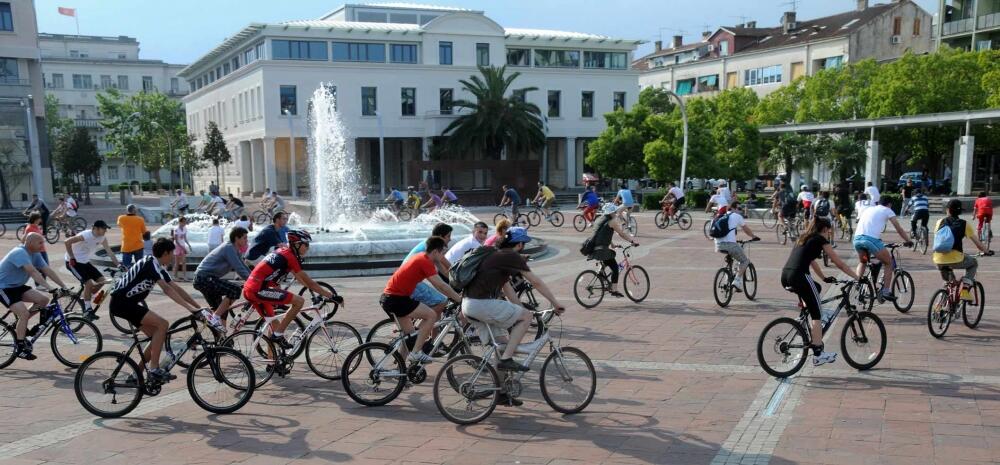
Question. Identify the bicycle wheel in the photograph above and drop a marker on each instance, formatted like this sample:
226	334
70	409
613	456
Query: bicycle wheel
661	220
221	380
470	392
636	284
589	289
865	295
633	226
295	330
404	215
384	331
902	286
259	217
7	352
534	218
572	383
498	217
72	346
109	384
782	231
972	312
750	282
78	225
863	340
51	234
579	223
782	347
769	219
684	220
261	353
522	221
557	219
923	240
373	384
327	347
721	288
939	314
181	331
706	228
308	294
19	233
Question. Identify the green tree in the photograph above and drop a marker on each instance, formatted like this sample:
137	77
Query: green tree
735	134
494	121
215	150
791	152
77	157
128	123
663	155
55	124
619	152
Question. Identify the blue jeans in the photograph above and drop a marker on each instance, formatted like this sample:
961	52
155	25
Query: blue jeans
128	258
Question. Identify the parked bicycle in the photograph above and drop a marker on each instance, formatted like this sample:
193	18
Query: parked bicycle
73	338
946	302
723	287
591	285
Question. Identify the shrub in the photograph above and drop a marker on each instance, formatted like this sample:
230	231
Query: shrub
897	200
651	200
697	199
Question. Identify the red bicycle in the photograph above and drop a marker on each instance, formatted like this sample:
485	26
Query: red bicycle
946	302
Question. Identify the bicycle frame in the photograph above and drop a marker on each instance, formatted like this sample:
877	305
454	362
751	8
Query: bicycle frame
57	317
448	323
493	351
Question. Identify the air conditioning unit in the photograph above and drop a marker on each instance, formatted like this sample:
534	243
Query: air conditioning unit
711	48
895	40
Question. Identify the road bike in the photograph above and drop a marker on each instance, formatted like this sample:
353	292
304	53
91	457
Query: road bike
111	384
680	217
72	339
946	302
535	215
784	344
506	213
262	216
902	282
468	387
723	287
921	239
591	285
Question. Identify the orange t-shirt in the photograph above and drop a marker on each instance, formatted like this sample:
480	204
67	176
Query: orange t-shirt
132	228
33	228
406	278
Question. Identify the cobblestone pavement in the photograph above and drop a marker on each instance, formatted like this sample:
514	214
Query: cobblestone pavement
678	382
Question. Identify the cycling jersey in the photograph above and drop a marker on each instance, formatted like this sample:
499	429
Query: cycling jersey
134	285
274	267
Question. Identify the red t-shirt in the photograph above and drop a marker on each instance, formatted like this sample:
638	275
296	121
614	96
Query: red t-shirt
984	205
406	278
274	267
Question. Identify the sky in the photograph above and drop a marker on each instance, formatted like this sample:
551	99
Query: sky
181	31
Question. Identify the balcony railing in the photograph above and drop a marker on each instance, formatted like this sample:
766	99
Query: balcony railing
13	81
958	27
990	20
87	122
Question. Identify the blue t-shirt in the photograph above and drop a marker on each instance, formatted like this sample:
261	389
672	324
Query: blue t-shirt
12	272
591	199
626	196
398	195
265	240
512	195
421	247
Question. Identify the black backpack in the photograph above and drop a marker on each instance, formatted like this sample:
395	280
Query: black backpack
590	243
720	227
788	199
822	207
464	270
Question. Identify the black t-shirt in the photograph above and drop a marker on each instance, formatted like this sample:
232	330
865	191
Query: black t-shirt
238	202
264	241
803	255
907	191
494	272
135	284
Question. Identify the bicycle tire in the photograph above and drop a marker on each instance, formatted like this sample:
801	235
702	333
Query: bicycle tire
923	240
636	284
978	303
579	223
522	221
588	279
499	217
661	220
302	292
684	221
557	219
750	282
259	217
384	331
7	352
902	287
861	334
346	335
705	228
231	375
782	232
939	314
20	232
132	375
534	218
866	295
721	285
404	215
190	324
466	393
261	353
88	338
769	219
51	234
78	225
632	226
785	346
382	353
552	361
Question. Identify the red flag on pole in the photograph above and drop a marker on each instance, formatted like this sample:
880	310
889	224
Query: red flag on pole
67	11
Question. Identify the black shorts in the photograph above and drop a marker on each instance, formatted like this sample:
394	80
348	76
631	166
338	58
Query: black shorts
84	272
12	295
215	289
128	310
806	288
182	209
788	212
399	305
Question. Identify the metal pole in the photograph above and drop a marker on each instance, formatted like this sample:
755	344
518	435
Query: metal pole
381	155
684	154
33	149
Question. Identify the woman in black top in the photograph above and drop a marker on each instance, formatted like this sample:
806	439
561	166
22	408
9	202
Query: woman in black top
795	277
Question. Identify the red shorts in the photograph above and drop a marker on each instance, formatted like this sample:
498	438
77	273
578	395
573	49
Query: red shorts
984	217
264	298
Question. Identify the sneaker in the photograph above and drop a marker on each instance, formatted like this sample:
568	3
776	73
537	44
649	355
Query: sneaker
213	321
90	314
887	295
510	365
280	341
161	375
738	284
504	399
25	353
420	357
824	358
33	330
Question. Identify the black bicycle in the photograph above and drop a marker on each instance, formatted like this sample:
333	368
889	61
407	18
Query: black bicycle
535	215
784	344
921	239
902	282
724	286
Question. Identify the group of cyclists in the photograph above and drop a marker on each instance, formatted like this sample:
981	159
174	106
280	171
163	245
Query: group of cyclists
412	201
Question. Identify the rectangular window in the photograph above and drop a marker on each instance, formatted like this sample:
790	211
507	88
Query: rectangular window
684	87
74	54
225	68
298	50
519	95
130	171
619	101
723	48
105	81
732	80
122	82
236	63
82	81
358	51
587	104
147	83
408	101
57	81
403	53
371	17
708	83
6	17
554	97
446	99
482	54
916	26
444	53
8	70
557	58
605	60
112	172
175	86
897	25
259	51
369	101
518	57
218	72
288	100
765	75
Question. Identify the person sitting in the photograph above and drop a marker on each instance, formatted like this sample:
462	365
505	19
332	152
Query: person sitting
448	197
545	198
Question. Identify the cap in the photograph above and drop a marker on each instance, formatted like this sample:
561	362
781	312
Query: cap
516	235
101	224
130	208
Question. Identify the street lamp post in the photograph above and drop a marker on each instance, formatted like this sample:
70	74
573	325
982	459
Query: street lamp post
684	154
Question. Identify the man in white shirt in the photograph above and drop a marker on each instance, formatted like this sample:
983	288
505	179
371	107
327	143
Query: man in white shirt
217	206
725	192
868	240
476	239
79	250
727	244
180	203
71	206
215	234
805	200
873	194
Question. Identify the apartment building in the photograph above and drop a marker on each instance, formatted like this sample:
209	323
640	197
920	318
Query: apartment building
970	24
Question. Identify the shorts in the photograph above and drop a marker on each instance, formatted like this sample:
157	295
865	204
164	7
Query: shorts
679	202
12	295
180	250
427	295
547	203
214	289
788	212
265	298
133	312
498	314
868	244
182	209
806	288
84	272
398	305
733	249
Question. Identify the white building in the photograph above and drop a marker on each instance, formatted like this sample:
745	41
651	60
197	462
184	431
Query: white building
399	66
77	68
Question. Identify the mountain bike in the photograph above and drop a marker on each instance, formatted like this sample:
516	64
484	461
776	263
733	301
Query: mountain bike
73	301
73	338
724	288
945	304
590	285
65	225
902	282
111	384
506	213
680	217
535	215
921	239
784	344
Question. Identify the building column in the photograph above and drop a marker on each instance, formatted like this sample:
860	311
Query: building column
270	171
246	167
963	174
257	164
571	176
872	174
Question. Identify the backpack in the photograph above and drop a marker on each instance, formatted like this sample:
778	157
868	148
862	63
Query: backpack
464	270
720	227
590	243
944	239
788	200
822	207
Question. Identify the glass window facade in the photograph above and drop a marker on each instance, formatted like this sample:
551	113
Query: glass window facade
369	101
605	60
8	70
358	51
106	82
408	101
482	54
444	53
298	50
519	95
289	100
554	101
518	57
446	100
403	53
557	58
587	104
6	17
765	75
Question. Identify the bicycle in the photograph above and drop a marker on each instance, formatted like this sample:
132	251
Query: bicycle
723	288
72	339
467	387
535	215
985	234
902	282
680	217
782	353
788	229
590	286
219	380
945	302
580	221
262	216
921	239
75	302
629	221
522	219
67	226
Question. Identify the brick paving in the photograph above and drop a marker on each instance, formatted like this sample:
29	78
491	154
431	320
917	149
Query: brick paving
678	382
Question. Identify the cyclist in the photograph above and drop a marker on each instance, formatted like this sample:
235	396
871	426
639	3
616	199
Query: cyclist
499	231
956	258
180	202
263	291
604	230
805	199
413	200
38	205
873	194
907	192
396	199
795	278
61	209
23	262
234	207
545	198
512	198
217	206
719	200
72	206
244	222
921	210
397	297
624	198
673	200
204	200
861	203
867	240
433	201
79	250
474	240
825	208
589	204
787	204
845	207
269	237
448	197
982	211
272	201
727	244
129	295
208	277
34	225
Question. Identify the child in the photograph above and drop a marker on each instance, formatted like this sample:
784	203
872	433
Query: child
35	226
215	234
147	244
183	247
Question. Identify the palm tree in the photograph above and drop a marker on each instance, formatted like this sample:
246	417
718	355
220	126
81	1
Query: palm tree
494	121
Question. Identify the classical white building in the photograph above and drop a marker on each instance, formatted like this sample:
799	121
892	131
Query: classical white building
76	68
395	69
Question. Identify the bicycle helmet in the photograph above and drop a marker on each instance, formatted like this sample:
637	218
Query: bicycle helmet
298	236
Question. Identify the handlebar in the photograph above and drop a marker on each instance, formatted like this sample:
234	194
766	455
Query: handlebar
755	239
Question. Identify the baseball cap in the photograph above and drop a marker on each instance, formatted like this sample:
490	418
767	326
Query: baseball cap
517	234
101	224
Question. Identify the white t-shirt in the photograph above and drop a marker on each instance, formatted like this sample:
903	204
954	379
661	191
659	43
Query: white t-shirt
860	206
245	224
735	223
806	195
873	194
678	193
84	249
872	221
71	205
456	251
215	234
219	203
719	200
182	200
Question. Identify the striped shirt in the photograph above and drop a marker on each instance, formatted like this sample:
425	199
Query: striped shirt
919	202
